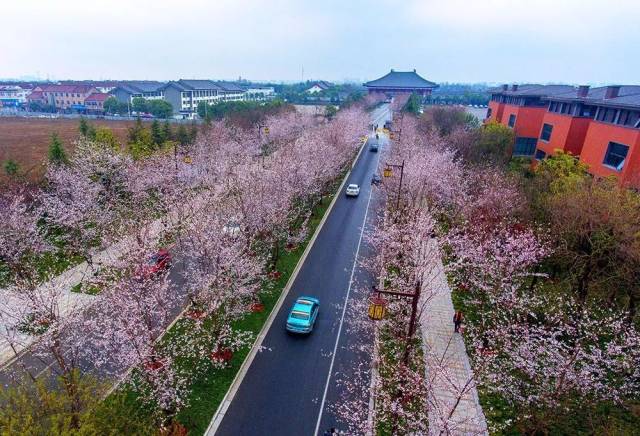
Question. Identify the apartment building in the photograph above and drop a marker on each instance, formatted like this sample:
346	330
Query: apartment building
522	108
185	95
126	91
62	97
231	92
600	126
94	104
13	96
259	93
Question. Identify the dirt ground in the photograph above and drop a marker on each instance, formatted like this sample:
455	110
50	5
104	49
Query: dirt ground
25	140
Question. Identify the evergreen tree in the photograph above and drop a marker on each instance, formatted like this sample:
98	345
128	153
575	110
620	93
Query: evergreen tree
84	127
135	131
157	133
166	131
182	136
57	155
11	167
193	133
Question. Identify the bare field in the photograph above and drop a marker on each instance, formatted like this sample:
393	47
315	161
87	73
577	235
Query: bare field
25	140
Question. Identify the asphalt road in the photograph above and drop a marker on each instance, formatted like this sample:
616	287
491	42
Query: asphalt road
288	387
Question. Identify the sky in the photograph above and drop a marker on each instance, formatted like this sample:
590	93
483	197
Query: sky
493	41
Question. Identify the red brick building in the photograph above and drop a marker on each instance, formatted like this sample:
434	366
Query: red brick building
94	104
63	97
522	107
600	126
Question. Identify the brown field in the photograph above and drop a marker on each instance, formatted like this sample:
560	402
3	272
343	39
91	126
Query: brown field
26	140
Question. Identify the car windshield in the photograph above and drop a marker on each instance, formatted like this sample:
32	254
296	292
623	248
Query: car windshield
305	302
353	186
299	315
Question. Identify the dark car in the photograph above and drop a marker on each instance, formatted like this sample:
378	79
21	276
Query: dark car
157	263
376	179
373	147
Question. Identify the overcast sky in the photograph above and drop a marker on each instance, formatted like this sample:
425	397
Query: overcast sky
561	41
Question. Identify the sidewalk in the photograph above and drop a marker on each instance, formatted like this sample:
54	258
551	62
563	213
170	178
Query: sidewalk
453	403
70	301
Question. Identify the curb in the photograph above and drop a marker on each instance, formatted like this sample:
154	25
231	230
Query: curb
244	368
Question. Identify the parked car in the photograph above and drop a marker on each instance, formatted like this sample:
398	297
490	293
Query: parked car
353	190
157	263
303	315
376	179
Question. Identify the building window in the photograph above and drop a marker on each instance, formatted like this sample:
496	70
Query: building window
540	154
615	156
512	120
525	146
488	110
546	132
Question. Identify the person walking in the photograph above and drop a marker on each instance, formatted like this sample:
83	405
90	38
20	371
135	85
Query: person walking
457	321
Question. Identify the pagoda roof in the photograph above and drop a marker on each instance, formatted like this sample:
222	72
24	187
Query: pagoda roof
401	79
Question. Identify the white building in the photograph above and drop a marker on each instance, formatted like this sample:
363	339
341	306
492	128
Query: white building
127	91
13	95
185	95
260	93
319	87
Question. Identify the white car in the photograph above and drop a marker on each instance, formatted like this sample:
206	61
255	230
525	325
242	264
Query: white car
353	190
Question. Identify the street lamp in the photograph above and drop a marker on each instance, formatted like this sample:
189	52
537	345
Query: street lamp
388	172
377	310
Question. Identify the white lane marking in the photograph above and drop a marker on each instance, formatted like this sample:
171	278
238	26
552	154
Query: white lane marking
344	310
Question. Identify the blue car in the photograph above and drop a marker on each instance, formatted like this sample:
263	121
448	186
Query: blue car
303	315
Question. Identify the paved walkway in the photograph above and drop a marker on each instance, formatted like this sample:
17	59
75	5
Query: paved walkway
68	301
453	400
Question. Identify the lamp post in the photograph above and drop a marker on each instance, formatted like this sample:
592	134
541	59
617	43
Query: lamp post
376	314
387	173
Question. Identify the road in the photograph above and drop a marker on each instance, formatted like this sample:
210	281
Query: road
288	387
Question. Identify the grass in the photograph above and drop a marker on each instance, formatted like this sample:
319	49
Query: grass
575	417
391	351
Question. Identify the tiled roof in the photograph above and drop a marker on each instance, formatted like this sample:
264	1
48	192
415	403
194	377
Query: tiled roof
141	86
322	84
98	96
35	95
628	95
230	87
401	79
82	89
192	85
534	90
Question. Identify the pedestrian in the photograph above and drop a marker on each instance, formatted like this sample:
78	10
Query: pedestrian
377	136
457	321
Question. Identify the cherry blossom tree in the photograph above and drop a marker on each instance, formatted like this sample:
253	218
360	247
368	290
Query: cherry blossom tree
20	234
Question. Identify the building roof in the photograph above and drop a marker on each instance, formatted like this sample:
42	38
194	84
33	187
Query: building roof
401	79
322	84
192	85
98	96
628	95
140	86
35	95
230	87
82	89
534	90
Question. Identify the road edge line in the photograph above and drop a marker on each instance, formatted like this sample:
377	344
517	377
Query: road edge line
244	368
